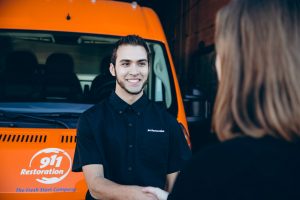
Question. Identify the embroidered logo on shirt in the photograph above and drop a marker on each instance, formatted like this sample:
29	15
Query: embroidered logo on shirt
155	131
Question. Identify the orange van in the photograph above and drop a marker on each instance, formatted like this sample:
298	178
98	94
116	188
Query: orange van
50	53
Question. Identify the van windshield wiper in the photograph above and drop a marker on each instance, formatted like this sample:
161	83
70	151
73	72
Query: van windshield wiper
13	115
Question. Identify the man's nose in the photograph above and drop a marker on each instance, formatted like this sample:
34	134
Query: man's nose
134	69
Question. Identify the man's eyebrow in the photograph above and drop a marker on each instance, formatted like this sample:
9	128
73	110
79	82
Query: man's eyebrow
128	60
143	60
125	60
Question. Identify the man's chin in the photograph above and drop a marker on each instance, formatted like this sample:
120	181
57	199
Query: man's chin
134	92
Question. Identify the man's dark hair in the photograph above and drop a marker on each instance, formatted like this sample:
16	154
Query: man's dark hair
134	40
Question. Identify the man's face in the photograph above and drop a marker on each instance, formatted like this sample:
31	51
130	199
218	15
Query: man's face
131	70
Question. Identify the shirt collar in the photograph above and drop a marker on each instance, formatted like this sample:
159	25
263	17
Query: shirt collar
121	106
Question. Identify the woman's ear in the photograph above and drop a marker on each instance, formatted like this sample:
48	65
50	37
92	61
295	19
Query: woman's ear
112	69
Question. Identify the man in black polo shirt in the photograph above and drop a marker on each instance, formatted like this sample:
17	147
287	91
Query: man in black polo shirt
127	142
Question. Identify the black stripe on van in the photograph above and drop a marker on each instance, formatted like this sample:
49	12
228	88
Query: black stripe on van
23	138
68	139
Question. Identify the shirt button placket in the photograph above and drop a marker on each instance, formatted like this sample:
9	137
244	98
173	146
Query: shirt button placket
130	146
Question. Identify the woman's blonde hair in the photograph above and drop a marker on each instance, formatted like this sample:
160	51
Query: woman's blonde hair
258	43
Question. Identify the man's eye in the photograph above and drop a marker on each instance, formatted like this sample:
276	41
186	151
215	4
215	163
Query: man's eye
125	64
142	64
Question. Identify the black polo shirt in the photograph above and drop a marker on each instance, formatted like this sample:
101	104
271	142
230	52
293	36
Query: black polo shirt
137	144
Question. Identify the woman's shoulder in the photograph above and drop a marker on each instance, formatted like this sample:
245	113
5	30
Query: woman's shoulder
243	144
244	151
236	163
226	148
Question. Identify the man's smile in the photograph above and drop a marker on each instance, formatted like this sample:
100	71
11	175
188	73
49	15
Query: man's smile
134	81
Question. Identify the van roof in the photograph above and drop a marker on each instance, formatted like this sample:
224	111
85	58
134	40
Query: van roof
84	16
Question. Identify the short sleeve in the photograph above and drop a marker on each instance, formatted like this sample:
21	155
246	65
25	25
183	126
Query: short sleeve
86	150
179	151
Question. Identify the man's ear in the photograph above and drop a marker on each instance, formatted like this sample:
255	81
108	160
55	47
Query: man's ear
112	69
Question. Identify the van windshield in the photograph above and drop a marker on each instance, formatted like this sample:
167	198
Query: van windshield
56	67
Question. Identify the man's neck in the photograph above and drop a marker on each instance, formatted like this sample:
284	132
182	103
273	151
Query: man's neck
129	98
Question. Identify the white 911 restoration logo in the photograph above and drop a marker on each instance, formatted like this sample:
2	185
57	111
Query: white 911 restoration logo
49	166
